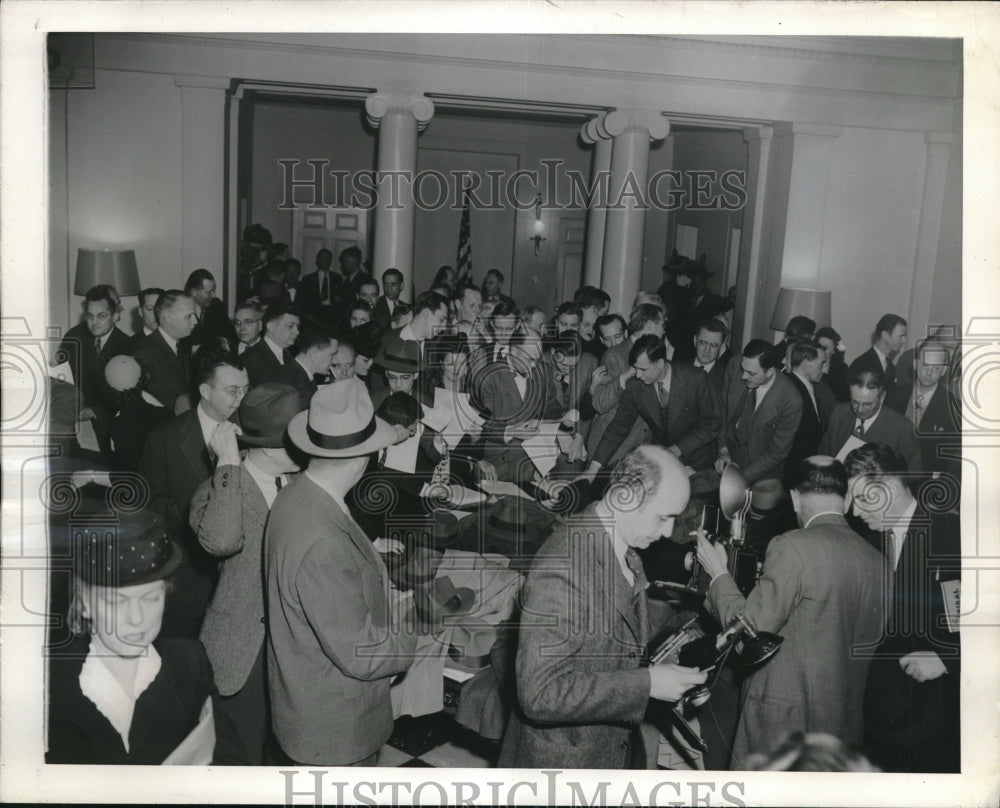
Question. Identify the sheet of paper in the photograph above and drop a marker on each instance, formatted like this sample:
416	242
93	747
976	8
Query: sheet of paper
462	417
63	372
86	436
502	488
403	456
852	443
543	452
437	418
951	591
198	747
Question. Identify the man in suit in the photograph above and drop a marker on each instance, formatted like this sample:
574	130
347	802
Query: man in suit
864	419
247	322
567	370
609	380
352	272
594	304
392	286
492	286
912	698
821	589
263	361
320	292
582	688
890	337
834	367
166	352
176	458
147	312
676	403
503	322
698	305
334	640
368	292
430	317
807	371
316	350
710	354
934	411
228	514
467	302
87	347
761	427
213	322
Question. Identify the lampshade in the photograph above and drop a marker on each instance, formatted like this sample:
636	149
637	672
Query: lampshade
114	267
812	303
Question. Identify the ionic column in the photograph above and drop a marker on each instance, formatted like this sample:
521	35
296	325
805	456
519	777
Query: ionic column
593	133
398	118
632	131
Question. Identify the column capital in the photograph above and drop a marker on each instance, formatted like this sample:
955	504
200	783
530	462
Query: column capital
619	121
378	104
593	130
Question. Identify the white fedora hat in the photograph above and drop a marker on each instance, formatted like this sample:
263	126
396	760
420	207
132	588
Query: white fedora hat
341	422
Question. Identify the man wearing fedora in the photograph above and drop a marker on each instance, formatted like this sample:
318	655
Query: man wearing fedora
333	645
399	360
176	459
228	514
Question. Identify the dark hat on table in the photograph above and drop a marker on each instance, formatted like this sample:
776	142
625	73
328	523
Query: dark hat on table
341	422
441	599
399	355
265	412
123	549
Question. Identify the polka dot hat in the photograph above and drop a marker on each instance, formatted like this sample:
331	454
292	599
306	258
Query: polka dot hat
123	549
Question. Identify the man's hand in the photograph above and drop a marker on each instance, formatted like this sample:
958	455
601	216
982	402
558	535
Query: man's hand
628	374
674	450
577	450
387	546
670	682
521	431
722	461
86	414
598	378
591	473
223	442
711	556
923	666
487	471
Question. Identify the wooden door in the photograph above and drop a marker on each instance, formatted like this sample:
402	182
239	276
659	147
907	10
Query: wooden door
334	229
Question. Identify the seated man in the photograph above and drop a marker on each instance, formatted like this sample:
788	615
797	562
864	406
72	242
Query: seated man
582	688
568	371
263	361
675	401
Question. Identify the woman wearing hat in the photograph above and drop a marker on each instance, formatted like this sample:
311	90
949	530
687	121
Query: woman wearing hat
116	695
228	514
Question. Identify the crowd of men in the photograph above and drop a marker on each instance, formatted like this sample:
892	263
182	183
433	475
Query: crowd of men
265	438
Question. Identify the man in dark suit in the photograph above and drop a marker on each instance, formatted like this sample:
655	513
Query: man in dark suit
166	352
890	337
821	589
936	414
675	401
806	359
175	460
87	347
761	428
213	321
582	689
710	354
912	698
699	305
264	360
320	292
147	312
352	273
492	285
315	355
864	419
392	286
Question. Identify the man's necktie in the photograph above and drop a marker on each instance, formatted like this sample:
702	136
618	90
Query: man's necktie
890	373
97	346
859	430
323	288
889	548
278	482
663	397
918	408
442	471
634	563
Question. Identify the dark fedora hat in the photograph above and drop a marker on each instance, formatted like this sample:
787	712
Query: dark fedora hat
399	355
122	549
265	412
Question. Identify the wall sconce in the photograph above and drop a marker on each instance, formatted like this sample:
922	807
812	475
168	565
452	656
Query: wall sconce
539	225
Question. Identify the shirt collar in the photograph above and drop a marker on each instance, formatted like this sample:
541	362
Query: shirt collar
762	390
816	516
273	347
168	339
406	333
867	422
108	694
664	383
883	358
265	481
206	422
707	367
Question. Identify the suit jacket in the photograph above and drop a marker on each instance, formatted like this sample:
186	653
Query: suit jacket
576	395
581	689
810	431
169	372
309	302
939	429
889	427
228	514
331	649
821	589
382	314
760	439
77	348
298	377
899	711
605	399
502	404
869	361
175	461
214	324
717	375
693	418
261	364
165	712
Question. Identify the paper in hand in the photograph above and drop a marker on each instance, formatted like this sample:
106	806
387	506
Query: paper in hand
198	748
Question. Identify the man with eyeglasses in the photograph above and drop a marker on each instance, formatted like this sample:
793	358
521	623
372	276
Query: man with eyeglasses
263	362
87	347
176	459
247	322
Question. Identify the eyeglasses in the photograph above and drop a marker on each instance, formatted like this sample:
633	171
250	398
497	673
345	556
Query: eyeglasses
244	323
101	316
234	390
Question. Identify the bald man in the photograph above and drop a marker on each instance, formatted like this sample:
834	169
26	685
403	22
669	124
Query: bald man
821	589
582	684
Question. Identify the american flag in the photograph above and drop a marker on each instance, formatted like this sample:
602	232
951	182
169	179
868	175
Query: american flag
464	263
